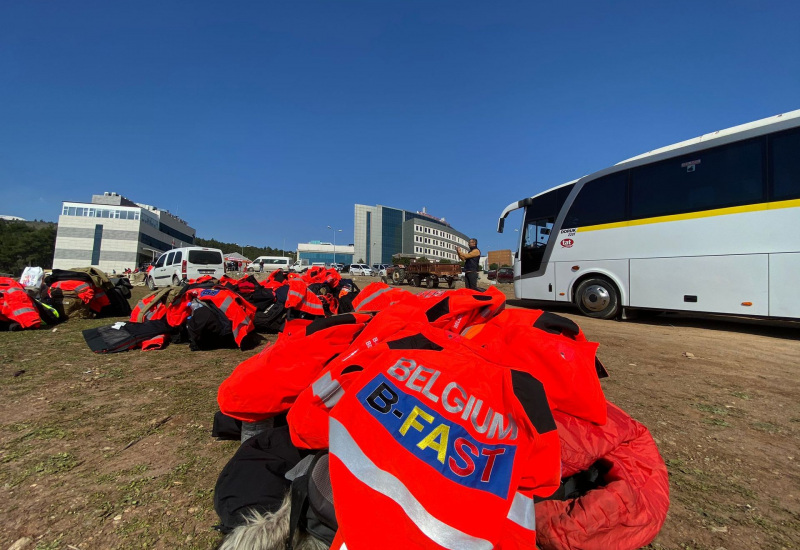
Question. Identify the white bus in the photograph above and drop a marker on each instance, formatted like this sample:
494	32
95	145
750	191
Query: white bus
711	224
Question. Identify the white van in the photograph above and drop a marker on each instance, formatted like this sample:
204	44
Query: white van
300	266
271	263
189	262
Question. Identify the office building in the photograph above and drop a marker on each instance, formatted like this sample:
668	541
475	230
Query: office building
381	232
114	233
327	253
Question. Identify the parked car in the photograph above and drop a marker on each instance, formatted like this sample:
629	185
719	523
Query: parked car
189	262
359	269
502	275
505	275
380	269
337	267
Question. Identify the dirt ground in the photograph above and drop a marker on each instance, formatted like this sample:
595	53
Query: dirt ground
115	451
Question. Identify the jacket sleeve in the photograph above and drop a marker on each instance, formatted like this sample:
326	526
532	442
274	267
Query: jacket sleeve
269	383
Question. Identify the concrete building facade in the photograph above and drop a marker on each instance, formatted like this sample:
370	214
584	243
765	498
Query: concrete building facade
114	233
380	232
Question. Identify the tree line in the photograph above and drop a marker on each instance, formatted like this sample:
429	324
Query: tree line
24	243
250	252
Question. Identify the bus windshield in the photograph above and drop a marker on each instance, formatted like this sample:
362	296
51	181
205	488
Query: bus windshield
540	217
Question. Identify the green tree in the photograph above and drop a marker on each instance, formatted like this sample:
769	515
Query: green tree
248	251
493	266
25	243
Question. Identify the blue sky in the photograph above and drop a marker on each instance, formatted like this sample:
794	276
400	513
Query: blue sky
264	122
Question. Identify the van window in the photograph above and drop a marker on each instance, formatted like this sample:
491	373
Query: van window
160	261
205	257
178	257
169	258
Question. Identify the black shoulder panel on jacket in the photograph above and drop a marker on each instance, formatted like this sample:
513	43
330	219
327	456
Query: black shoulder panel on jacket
556	324
530	393
327	322
417	341
439	309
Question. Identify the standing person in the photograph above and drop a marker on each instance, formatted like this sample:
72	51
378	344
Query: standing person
261	266
470	258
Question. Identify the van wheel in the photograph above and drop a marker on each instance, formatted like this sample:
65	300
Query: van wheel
175	281
150	283
598	298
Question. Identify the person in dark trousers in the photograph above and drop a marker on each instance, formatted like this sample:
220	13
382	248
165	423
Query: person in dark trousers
470	258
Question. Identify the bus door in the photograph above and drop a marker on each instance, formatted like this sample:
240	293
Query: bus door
534	242
536	280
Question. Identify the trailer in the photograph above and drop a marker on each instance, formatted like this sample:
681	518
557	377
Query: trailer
423	273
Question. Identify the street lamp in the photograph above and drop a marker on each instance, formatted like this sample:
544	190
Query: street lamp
334	241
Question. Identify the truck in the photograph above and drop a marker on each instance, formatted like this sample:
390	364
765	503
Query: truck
419	273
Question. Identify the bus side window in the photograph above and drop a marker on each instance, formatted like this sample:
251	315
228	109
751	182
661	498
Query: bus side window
785	164
724	176
603	200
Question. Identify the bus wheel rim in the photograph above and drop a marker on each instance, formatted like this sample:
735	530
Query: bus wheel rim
596	298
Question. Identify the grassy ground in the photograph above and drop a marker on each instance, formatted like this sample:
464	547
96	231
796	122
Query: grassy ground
115	451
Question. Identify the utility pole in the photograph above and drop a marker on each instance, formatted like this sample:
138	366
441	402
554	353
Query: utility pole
334	241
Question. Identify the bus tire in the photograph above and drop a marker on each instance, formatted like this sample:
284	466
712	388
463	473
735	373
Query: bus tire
598	298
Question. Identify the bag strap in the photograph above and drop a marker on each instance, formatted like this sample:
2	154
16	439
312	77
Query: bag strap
578	484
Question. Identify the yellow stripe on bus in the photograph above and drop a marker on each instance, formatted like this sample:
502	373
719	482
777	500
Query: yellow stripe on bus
696	215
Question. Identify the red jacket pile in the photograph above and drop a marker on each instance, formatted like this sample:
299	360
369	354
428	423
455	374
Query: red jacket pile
453	422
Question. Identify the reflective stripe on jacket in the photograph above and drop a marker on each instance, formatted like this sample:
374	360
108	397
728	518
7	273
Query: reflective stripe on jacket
16	305
302	299
268	383
89	294
428	427
238	310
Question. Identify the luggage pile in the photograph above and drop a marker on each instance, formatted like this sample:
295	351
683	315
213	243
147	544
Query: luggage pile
437	420
208	313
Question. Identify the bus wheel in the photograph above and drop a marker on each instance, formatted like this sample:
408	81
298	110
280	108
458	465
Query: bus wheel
597	298
151	284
